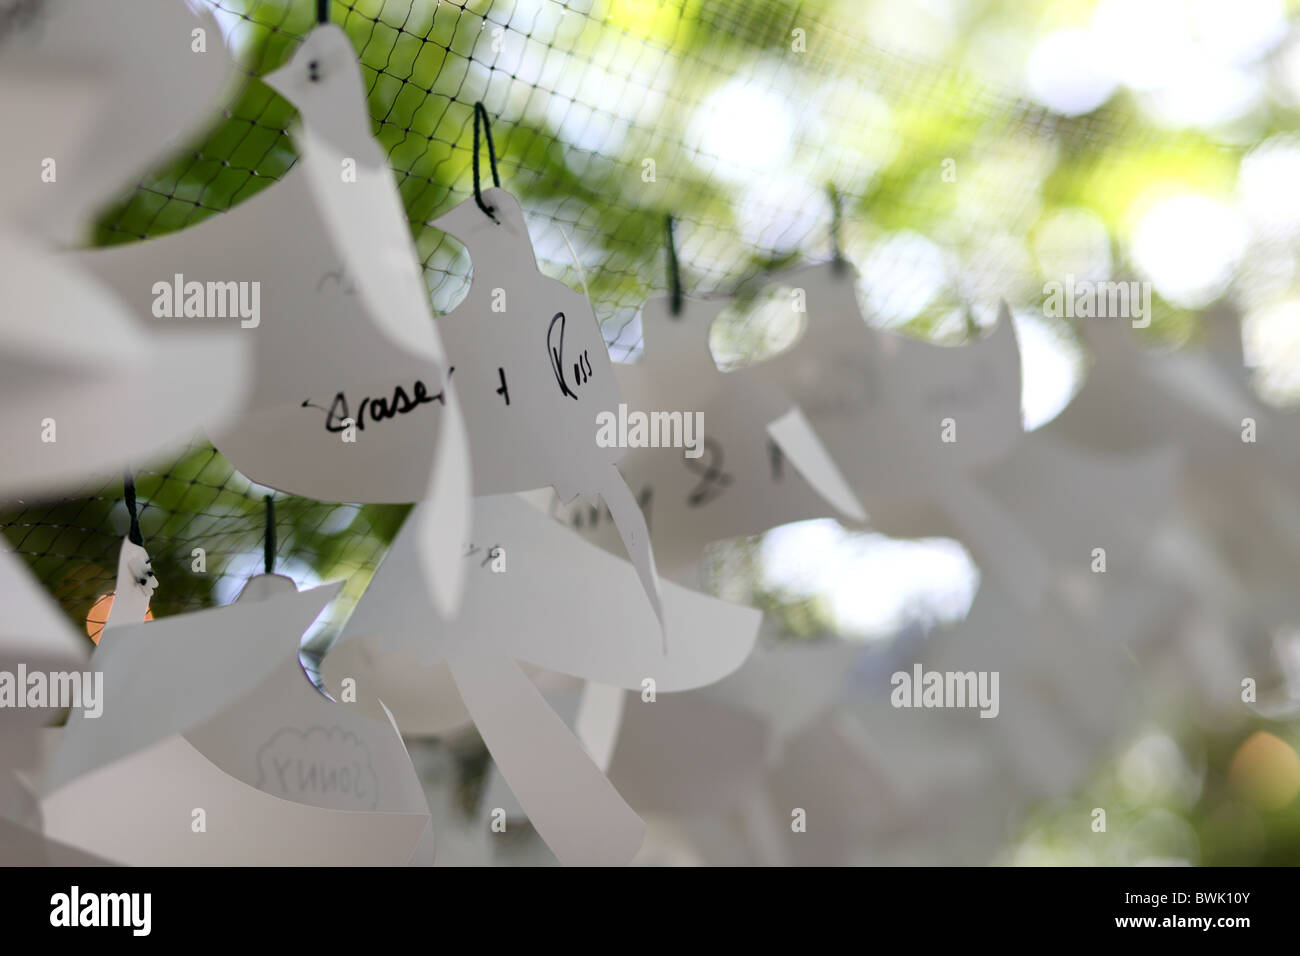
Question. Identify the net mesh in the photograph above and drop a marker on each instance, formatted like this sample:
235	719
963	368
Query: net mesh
607	117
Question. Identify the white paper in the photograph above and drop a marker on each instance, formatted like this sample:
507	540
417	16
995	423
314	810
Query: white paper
533	375
598	720
708	750
1073	501
85	391
350	398
46	112
136	584
288	739
756	463
33	630
561	604
594	712
365	218
152	91
1136	398
880	403
573	806
141	811
422	696
171	675
36	635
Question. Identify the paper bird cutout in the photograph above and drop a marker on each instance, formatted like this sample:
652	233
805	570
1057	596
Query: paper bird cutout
86	392
142	811
136	584
92	95
33	631
908	422
351	398
288	739
35	638
551	606
171	675
533	375
756	463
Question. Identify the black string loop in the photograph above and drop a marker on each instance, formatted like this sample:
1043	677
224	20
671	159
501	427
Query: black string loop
481	116
837	252
268	539
674	268
128	493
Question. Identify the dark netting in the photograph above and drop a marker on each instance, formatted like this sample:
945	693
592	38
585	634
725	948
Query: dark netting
581	97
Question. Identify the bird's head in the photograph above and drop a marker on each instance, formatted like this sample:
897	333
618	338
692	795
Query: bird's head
481	233
323	80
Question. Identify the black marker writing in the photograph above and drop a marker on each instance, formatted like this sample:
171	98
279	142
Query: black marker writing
340	278
337	416
594	512
712	477
555	348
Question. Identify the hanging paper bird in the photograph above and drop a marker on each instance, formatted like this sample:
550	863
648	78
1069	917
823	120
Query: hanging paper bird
731	455
92	95
351	398
534	374
554	606
909	422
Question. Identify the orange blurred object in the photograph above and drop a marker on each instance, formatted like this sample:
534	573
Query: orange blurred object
1266	771
97	616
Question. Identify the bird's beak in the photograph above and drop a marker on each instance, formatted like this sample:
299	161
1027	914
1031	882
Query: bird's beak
448	221
278	79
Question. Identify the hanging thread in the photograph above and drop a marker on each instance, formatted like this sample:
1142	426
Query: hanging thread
674	270
268	539
128	493
322	11
837	254
481	116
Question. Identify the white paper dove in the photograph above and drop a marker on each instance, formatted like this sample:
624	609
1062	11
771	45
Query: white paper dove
143	811
422	697
754	462
350	398
172	675
35	638
884	404
534	373
288	739
136	584
1137	398
562	604
707	749
1071	501
85	390
33	631
102	91
1066	689
1241	458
